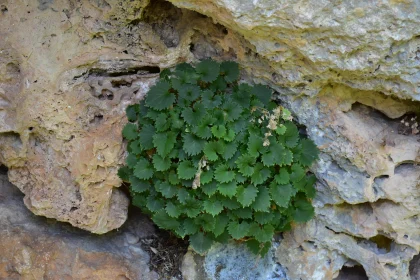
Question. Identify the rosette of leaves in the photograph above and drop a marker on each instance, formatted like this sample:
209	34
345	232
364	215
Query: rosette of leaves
214	159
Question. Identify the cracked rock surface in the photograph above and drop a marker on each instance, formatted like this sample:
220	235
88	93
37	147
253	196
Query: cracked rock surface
349	72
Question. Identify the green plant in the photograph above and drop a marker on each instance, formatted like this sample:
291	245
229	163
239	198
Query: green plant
214	159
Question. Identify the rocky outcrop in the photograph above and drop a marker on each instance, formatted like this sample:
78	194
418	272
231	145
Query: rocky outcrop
348	71
36	248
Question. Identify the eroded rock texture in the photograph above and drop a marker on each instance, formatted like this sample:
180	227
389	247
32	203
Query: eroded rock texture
36	248
348	70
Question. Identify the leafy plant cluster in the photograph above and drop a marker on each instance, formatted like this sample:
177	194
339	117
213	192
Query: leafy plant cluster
214	159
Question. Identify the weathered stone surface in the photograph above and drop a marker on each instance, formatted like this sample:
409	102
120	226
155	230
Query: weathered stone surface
348	71
36	248
231	261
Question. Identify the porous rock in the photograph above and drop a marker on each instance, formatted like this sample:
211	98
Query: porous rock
348	71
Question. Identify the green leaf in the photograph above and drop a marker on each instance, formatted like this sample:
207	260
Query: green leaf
308	152
138	186
227	189
159	97
230	135
143	169
208	69
131	160
246	195
167	190
254	246
186	170
255	145
200	242
165	74
162	122
230	70
213	206
210	100
130	131
135	147
139	200
192	207
263	217
164	142
297	173
163	220
272	155
146	136
243	213
230	203
210	188
232	110
291	136
262	234
242	95
124	173
161	164
218	85
283	177
189	92
192	144
304	210
206	221
223	174
173	178
260	175
218	131
183	196
211	149
281	194
190	226
131	112
230	150
262	202
173	210
206	177
221	223
154	204
281	129
246	164
238	230
194	116
263	93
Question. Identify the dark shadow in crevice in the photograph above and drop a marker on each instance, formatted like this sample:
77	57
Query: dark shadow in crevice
3	170
414	267
356	272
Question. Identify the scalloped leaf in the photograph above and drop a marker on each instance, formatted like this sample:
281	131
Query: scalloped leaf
186	170
212	206
238	230
200	242
223	174
281	194
163	220
263	93
161	164
230	71
164	142
192	144
130	131
208	70
159	97
246	195
146	136
308	152
143	169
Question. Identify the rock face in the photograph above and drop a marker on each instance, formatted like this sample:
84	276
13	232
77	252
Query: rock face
348	71
36	248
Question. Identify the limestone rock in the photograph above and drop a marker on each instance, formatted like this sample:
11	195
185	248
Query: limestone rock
348	71
36	248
